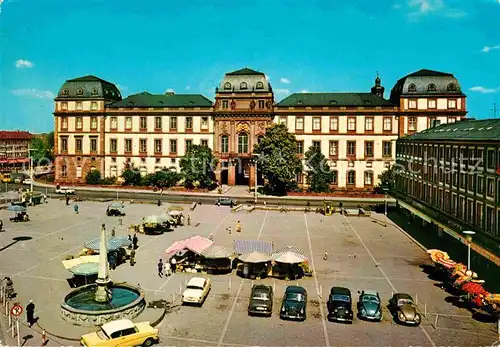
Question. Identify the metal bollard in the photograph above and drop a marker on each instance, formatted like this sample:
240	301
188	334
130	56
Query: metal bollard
173	298
229	284
416	299
425	309
274	286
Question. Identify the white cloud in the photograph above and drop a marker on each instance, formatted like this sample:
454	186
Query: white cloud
282	91
24	63
34	93
304	91
484	90
421	8
285	80
487	49
188	87
169	90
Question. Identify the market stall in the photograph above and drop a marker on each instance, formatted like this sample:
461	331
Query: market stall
287	263
216	259
186	254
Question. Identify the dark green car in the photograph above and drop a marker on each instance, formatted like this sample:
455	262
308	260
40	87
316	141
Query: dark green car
261	300
370	306
294	303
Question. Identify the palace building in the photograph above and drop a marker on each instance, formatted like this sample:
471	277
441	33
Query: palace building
95	128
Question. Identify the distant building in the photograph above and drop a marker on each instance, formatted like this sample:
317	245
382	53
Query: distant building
14	147
96	129
454	170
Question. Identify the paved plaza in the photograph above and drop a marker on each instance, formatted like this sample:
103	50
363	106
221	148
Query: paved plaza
363	254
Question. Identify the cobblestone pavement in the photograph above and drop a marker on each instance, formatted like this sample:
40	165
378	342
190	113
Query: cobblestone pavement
363	254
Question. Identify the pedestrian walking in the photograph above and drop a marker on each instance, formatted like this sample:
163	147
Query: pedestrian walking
168	269
325	256
9	288
229	229
160	268
135	241
67	200
211	237
1	225
30	313
173	262
113	232
132	258
189	219
76	208
238	227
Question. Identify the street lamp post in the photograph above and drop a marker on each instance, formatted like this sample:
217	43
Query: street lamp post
468	237
31	168
386	190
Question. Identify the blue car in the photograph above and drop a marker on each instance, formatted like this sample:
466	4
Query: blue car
370	306
294	303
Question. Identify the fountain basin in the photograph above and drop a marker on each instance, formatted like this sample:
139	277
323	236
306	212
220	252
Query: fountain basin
80	308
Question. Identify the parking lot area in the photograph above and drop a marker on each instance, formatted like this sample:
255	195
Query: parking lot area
362	254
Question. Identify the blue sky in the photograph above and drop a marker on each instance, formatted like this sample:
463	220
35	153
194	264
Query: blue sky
187	46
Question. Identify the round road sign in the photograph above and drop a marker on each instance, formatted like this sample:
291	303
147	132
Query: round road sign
16	310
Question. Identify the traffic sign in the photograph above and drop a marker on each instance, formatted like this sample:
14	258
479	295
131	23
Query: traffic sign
16	310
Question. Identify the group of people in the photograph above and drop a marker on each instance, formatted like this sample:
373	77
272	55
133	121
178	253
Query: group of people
239	229
167	268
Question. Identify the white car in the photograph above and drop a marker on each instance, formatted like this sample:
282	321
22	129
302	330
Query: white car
196	290
27	181
65	190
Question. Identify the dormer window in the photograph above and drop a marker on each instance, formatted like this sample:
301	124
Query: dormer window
259	85
227	86
65	92
160	102
131	103
451	87
412	88
368	102
94	91
190	102
431	87
333	102
243	85
79	92
299	102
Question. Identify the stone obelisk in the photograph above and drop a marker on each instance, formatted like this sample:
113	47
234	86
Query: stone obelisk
102	294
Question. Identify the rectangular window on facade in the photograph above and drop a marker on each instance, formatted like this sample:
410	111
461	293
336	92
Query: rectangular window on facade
113	145
351	148
204	143
64	171
93	123
300	147
243	143
78	144
143	145
64	106
479	214
334	123
368	178
412	104
79	123
128	145
471	186
351	124
224	144
114	123
189	123
452	119
480	184
158	146
64	123
64	144
93	106
143	123
491	160
387	126
173	123
490	187
431	103
283	120
452	104
128	123
262	104
225	104
351	177
299	123
188	145
387	148
334	148
316	123
204	123
79	106
369	124
316	144
93	144
158	123
412	123
490	218
369	149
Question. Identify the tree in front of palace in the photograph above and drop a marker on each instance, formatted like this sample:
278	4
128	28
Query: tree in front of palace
43	149
387	179
131	176
164	178
278	160
319	174
93	177
197	167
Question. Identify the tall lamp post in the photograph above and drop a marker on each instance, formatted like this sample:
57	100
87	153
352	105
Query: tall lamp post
31	168
386	190
468	237
255	160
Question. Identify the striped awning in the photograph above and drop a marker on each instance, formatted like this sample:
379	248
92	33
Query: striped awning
293	249
249	246
113	243
217	252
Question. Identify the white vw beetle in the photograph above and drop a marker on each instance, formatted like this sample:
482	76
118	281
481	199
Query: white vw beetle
196	290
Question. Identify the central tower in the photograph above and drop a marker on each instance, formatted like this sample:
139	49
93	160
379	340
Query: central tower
243	110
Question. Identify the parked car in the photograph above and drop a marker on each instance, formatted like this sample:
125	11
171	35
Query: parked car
18	180
122	333
261	300
64	190
27	181
294	303
369	306
404	310
196	291
225	202
340	305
